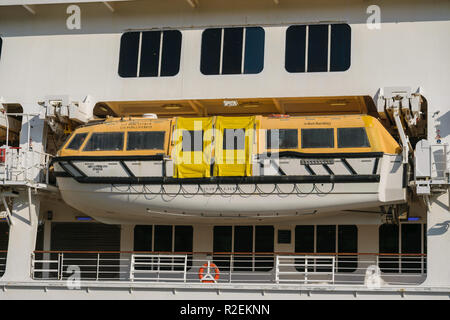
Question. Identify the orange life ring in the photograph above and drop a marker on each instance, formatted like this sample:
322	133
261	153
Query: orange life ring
212	266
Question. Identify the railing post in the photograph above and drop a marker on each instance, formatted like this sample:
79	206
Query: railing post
306	269
32	265
185	267
98	266
131	276
231	266
277	269
333	261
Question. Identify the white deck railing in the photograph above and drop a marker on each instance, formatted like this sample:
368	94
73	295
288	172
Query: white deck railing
258	268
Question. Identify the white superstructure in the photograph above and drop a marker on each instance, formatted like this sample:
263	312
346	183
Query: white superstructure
63	63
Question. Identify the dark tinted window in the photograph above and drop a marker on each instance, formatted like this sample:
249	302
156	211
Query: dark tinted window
317	138
143	236
105	141
295	49
388	237
254	50
234	139
340	47
222	242
326	239
304	239
171	53
318	48
77	141
192	140
211	50
264	242
282	139
317	52
304	243
1	45
163	238
231	49
183	238
352	138
150	45
160	53
145	140
347	243
411	240
128	58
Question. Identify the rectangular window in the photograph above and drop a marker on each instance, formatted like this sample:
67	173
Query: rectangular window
150	47
340	47
318	48
77	141
192	140
222	242
411	240
143	236
352	138
244	239
264	242
129	52
161	240
145	140
150	53
318	138
282	139
388	243
347	243
295	49
105	141
325	47
304	243
243	242
234	139
326	239
232	51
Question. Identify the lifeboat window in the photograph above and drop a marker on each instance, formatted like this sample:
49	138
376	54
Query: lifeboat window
150	54
240	52
145	140
352	138
282	139
318	138
192	140
105	141
77	141
318	48
234	139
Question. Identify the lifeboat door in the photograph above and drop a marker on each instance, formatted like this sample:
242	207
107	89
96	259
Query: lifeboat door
233	146
192	147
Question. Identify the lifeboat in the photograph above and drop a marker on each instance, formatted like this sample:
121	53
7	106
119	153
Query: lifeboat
251	167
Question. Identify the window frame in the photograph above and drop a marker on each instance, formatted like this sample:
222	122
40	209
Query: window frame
338	58
319	147
67	147
137	53
219	69
340	260
163	146
108	150
268	134
366	137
